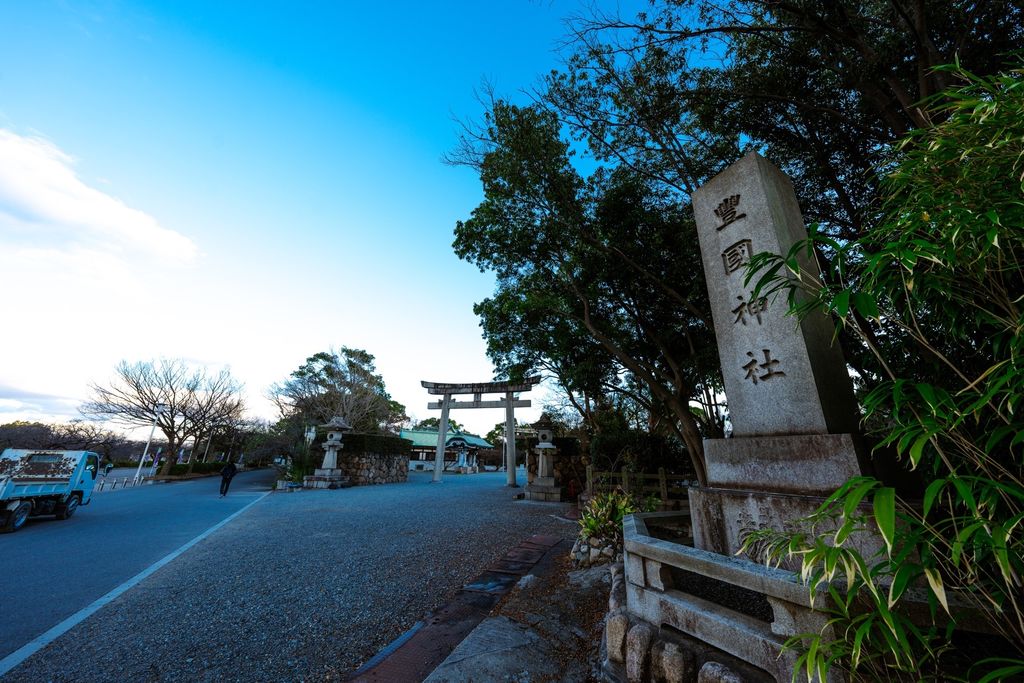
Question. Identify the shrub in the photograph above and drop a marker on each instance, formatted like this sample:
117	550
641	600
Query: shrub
603	514
934	292
381	444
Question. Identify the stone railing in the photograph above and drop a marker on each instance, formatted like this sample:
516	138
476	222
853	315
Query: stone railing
371	468
682	588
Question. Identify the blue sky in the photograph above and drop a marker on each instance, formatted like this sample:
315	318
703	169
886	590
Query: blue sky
245	184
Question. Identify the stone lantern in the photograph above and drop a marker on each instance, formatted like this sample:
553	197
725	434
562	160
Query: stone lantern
329	475
461	452
544	486
336	429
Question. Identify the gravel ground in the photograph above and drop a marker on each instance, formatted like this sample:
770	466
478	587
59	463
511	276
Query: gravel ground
302	587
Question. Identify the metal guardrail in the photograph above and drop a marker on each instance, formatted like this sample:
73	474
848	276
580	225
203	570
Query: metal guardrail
124	482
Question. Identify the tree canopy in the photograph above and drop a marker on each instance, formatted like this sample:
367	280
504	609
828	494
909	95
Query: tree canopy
183	402
74	435
341	382
599	280
434	423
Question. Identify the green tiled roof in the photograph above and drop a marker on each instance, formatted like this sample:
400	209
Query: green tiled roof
427	438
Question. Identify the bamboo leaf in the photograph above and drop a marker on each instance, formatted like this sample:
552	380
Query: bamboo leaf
930	493
885	514
935	582
1014	668
918	448
928	394
964	491
841	304
865	304
854	498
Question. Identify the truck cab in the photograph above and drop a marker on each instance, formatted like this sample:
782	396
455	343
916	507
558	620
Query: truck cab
44	482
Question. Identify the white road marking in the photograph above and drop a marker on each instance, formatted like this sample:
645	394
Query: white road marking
24	652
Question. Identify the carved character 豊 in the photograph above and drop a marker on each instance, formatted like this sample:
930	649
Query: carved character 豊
726	211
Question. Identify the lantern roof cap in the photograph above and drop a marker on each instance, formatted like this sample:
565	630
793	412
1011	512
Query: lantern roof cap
337	423
544	423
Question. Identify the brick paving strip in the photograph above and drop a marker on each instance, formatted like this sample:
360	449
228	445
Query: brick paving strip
417	652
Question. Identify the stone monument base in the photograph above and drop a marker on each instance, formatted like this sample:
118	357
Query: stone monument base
804	464
760	482
722	517
329	478
544	489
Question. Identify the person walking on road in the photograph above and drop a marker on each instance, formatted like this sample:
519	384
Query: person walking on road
226	475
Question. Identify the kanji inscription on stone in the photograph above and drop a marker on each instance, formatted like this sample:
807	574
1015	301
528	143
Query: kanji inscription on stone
737	256
768	366
750	309
782	375
726	211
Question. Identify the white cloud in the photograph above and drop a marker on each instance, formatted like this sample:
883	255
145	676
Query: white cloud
80	271
44	203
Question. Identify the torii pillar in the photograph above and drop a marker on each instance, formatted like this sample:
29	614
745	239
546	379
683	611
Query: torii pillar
509	403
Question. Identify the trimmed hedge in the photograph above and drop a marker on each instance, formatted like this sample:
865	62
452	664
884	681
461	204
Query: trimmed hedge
197	468
207	467
380	444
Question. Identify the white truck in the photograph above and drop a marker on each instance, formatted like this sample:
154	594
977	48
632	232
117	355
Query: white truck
42	482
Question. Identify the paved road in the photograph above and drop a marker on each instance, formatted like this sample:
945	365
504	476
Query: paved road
54	568
302	586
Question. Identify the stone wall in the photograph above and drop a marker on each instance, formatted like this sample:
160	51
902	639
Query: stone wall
371	468
570	465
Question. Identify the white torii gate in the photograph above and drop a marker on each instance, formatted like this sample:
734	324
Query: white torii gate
508	403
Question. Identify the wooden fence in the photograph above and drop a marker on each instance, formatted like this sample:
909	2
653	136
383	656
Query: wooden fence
665	486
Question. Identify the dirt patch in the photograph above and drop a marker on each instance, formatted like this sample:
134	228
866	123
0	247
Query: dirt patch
567	608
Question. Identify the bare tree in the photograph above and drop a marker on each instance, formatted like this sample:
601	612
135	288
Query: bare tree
193	402
75	435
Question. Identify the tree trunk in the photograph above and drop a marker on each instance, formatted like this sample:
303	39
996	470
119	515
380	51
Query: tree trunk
172	456
691	438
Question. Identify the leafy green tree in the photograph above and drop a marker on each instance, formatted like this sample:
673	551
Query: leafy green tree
340	382
824	89
944	274
434	424
599	265
497	435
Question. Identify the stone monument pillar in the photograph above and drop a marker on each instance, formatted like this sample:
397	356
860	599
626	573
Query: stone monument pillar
544	486
329	475
789	394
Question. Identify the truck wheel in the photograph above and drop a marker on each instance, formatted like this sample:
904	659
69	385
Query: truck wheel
67	509
16	517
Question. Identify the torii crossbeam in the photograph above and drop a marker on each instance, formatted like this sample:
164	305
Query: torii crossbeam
509	403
